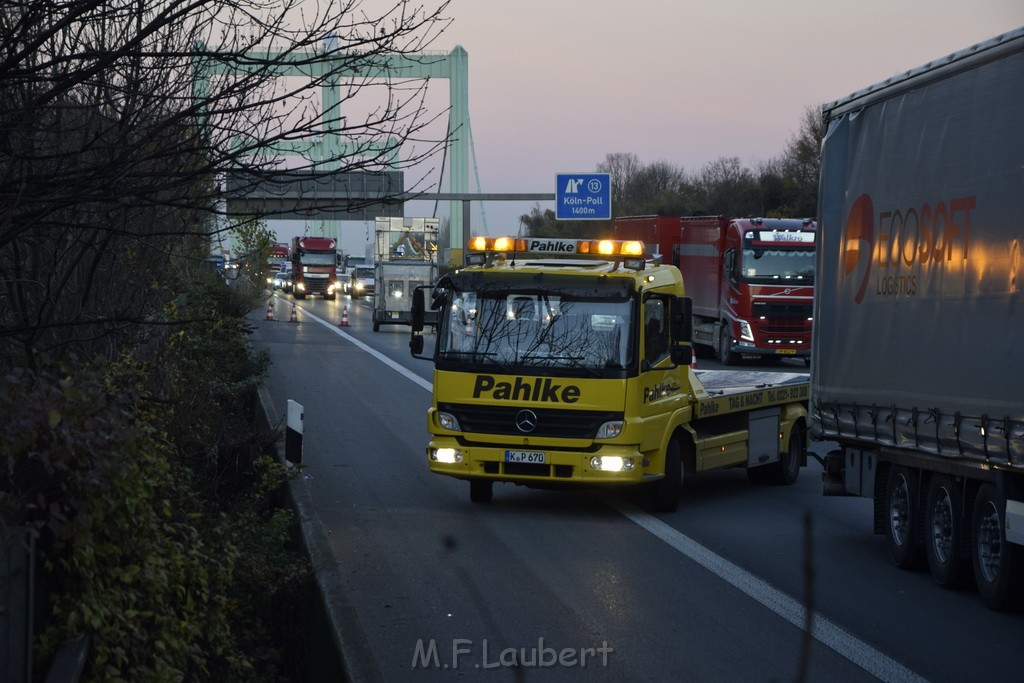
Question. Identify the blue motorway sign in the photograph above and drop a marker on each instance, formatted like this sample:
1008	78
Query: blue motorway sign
583	196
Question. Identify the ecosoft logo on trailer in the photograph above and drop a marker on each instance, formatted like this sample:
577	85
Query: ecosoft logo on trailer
904	244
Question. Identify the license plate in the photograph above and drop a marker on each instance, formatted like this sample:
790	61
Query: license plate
786	352
532	457
394	315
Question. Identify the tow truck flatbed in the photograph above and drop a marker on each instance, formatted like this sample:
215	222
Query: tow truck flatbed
719	392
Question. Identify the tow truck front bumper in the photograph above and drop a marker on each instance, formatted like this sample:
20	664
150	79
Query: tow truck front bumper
608	465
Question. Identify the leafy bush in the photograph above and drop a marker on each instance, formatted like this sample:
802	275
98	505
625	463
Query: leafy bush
153	500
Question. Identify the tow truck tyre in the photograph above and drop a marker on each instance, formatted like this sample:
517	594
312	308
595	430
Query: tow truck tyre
725	352
666	491
944	526
997	564
481	490
902	519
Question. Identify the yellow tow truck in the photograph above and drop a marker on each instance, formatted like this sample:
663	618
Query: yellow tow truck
563	362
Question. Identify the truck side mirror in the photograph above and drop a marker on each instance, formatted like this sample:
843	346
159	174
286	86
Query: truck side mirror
682	354
682	320
416	344
417	312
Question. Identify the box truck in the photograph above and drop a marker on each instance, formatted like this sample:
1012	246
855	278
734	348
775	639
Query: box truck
751	280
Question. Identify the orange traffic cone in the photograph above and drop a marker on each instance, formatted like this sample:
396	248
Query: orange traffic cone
295	317
344	317
270	311
468	330
693	357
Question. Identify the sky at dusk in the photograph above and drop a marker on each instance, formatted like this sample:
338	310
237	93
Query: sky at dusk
556	85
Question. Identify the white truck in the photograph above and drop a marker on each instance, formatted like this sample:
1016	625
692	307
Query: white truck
405	257
918	348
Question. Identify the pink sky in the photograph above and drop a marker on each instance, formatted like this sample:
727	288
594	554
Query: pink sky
555	85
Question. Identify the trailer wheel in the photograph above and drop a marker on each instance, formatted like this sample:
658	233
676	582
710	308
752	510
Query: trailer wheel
725	352
787	469
997	564
666	491
376	326
481	490
903	524
944	532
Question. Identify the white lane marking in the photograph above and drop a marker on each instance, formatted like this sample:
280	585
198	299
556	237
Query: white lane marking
373	352
823	630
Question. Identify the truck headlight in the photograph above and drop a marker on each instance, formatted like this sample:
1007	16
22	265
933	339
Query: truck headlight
448	456
745	331
611	463
610	430
448	421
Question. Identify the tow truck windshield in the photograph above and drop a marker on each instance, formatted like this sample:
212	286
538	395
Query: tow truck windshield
531	329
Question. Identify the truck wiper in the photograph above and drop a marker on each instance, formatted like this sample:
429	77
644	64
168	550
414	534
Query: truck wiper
544	356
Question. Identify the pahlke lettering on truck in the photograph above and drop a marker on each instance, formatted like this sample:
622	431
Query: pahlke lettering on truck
542	389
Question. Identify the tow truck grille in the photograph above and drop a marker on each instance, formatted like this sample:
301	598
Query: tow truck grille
520	469
551	422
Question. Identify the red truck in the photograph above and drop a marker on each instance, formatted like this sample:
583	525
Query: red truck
314	260
751	279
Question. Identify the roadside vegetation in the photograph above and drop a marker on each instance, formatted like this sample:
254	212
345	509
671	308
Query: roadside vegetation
130	451
156	504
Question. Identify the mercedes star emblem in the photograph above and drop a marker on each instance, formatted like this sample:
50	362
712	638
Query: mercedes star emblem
526	421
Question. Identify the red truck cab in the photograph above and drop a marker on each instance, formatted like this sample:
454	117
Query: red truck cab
314	260
751	279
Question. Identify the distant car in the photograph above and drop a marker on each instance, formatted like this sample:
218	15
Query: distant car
360	281
279	280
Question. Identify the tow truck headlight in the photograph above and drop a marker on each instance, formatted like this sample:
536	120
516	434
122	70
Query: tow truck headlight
611	463
610	430
745	331
448	456
448	421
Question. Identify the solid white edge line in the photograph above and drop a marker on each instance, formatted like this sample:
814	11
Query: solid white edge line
823	630
373	352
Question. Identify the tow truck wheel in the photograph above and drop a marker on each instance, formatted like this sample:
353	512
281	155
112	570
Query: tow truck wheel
725	352
944	532
481	490
666	491
901	532
998	565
